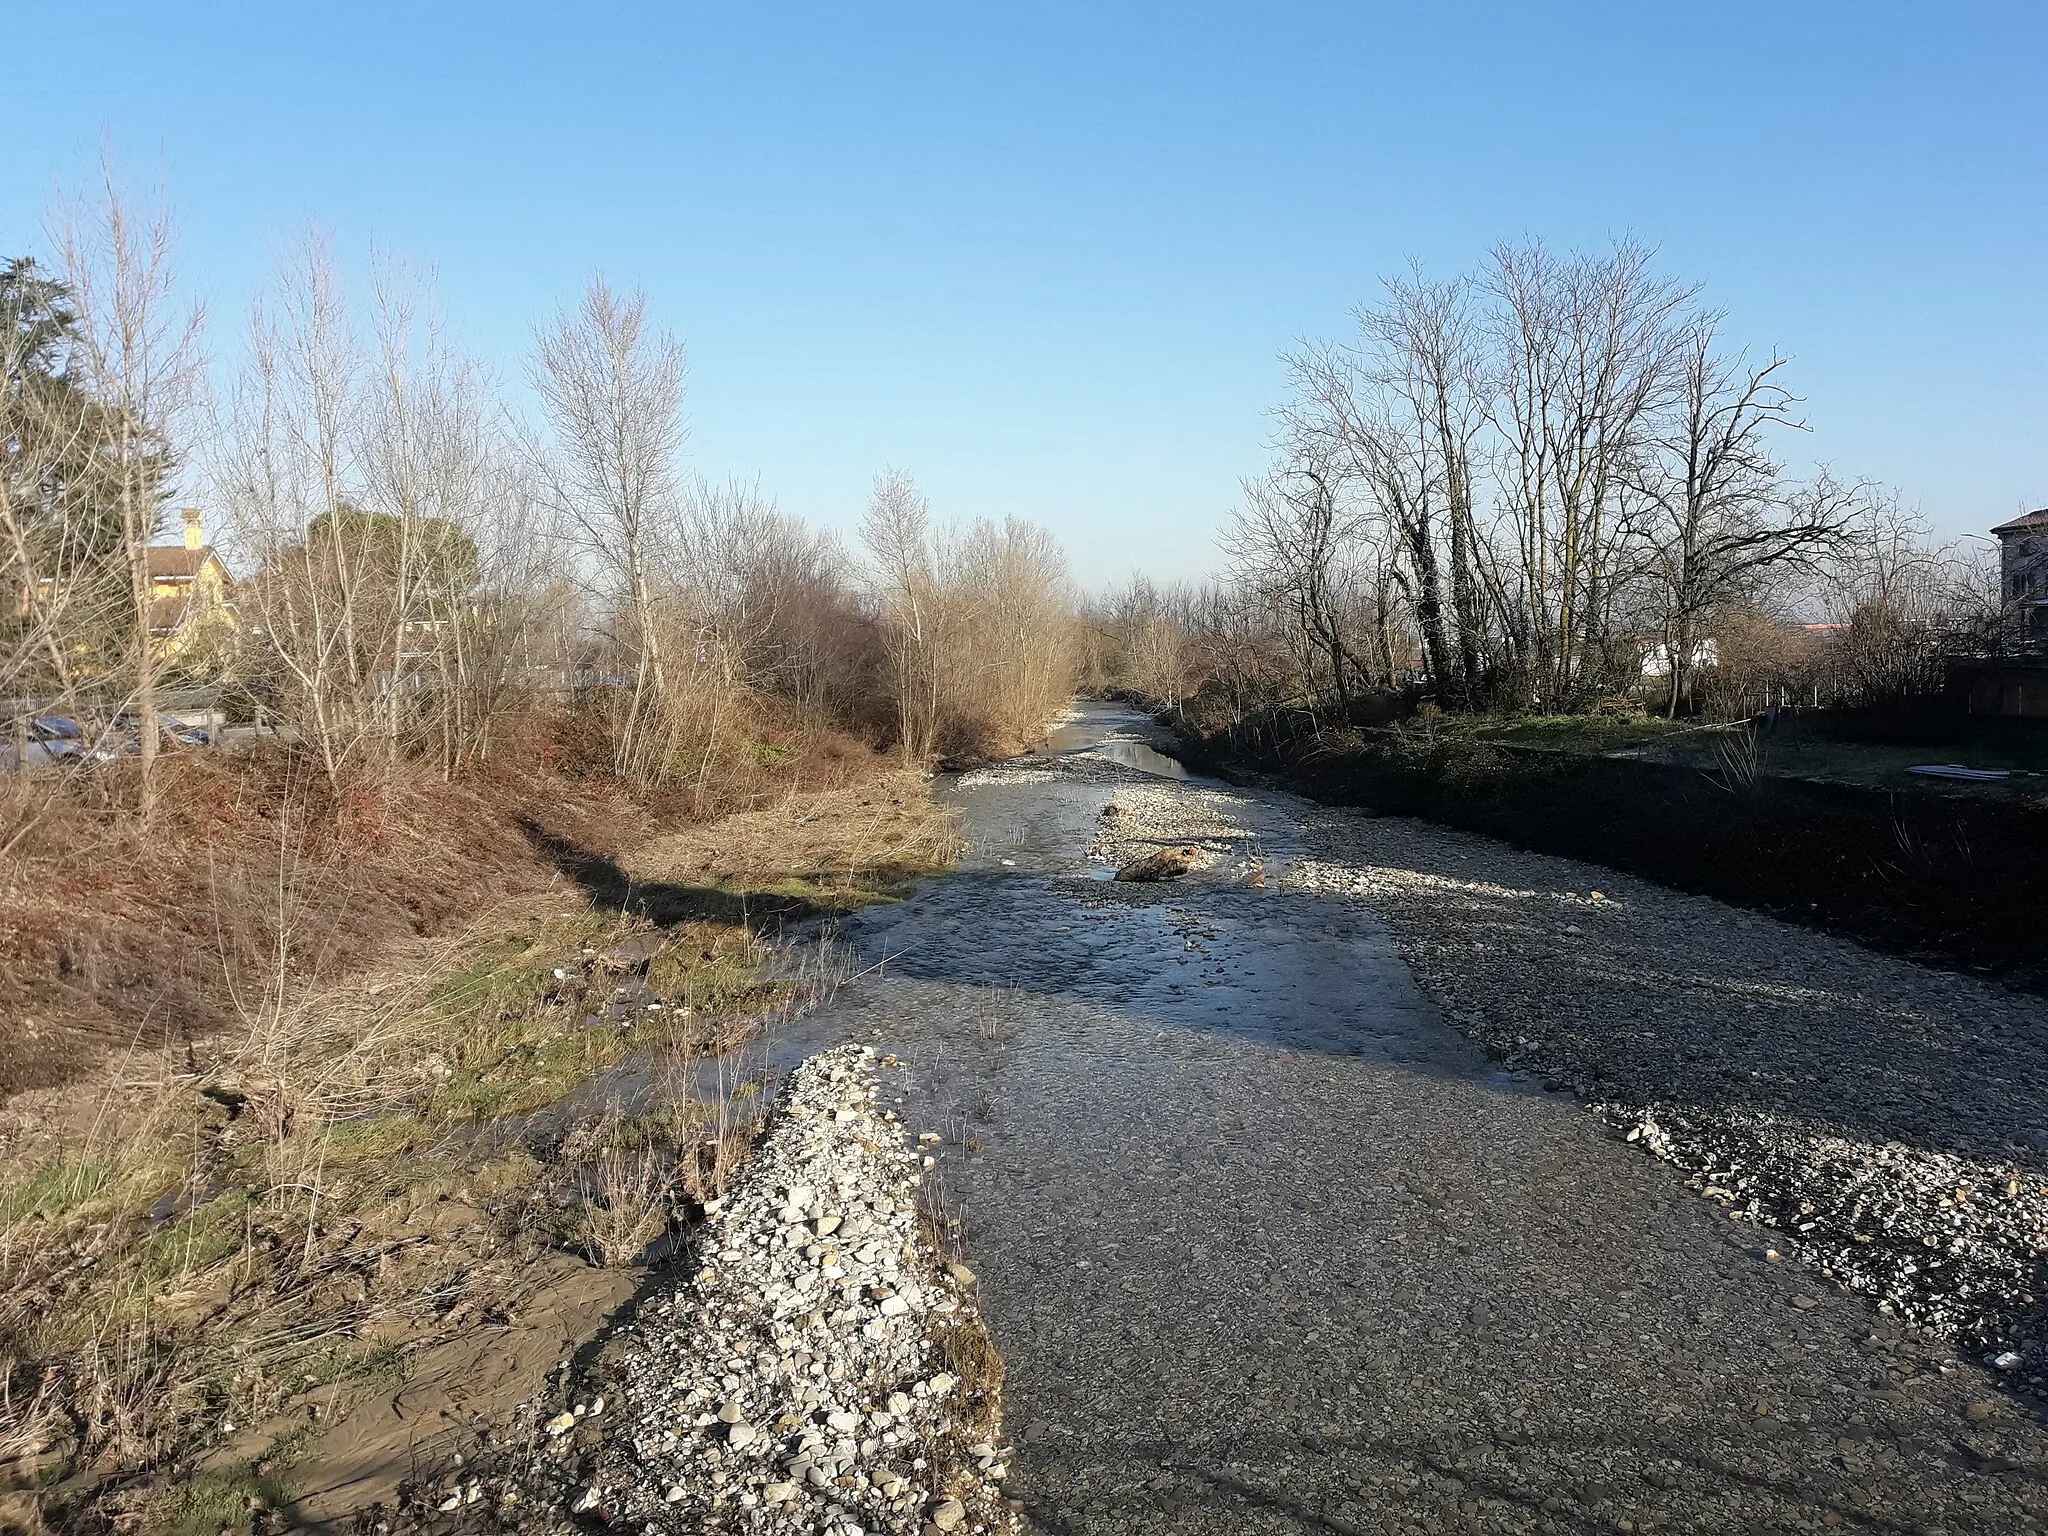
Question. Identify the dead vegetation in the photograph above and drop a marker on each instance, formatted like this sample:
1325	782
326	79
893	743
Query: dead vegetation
408	959
243	1233
1165	864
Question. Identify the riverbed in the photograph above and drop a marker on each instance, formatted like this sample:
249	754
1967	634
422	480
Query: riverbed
1270	1245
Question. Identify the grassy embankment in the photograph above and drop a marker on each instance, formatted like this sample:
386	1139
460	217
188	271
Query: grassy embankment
250	1266
1816	820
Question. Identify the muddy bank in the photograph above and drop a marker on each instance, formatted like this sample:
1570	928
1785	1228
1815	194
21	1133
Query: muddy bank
1950	879
254	1283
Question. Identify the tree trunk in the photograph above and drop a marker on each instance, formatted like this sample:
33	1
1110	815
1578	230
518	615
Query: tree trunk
138	533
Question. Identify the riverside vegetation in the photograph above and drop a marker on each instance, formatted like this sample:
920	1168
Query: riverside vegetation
361	1060
367	1062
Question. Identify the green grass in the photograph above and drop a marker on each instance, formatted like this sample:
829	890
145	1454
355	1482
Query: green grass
831	893
205	1237
527	1066
210	1502
54	1191
1592	734
375	1137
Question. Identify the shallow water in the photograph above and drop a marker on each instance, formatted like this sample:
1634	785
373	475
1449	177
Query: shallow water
1117	734
1135	754
1267	1245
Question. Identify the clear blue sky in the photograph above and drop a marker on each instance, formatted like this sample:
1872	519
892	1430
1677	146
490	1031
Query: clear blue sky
1043	256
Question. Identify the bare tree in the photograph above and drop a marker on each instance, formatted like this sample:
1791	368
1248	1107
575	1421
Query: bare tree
1354	434
896	531
1901	603
1428	353
1153	634
613	392
1009	657
1297	542
287	447
1715	516
433	461
1401	411
977	621
1584	351
138	354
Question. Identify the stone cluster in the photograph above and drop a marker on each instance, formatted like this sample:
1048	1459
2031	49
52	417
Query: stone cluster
808	1377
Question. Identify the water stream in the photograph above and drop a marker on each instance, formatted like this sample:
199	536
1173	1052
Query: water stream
1266	1245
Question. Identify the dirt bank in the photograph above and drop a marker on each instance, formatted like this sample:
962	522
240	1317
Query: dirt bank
252	1277
257	875
1952	879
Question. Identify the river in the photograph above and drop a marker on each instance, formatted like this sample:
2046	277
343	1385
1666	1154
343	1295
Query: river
1269	1246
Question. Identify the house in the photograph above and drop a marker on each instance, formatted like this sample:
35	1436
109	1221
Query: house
1704	653
2023	577
189	586
2013	685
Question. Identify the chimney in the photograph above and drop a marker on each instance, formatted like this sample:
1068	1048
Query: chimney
195	530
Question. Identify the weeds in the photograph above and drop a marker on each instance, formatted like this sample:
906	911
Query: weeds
624	1189
336	1180
53	1192
1740	761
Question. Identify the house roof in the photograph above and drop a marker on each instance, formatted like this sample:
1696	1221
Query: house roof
2031	520
174	562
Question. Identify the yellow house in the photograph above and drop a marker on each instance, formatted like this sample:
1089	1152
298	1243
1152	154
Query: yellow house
188	591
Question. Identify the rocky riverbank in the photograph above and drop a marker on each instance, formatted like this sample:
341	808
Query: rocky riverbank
1874	1119
822	1371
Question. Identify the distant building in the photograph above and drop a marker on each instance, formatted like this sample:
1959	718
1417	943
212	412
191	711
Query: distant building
190	603
189	588
1705	653
2023	577
2013	685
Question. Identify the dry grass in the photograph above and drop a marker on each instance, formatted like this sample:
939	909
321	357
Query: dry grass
859	836
625	1190
207	1232
965	1348
119	933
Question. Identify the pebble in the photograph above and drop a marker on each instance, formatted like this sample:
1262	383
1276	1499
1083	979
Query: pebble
1743	1052
810	1313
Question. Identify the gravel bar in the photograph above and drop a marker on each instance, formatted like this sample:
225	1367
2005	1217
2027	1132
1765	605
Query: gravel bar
1280	1232
823	1371
1879	1121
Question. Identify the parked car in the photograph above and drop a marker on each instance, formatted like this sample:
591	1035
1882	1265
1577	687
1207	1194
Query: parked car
44	741
50	739
125	740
